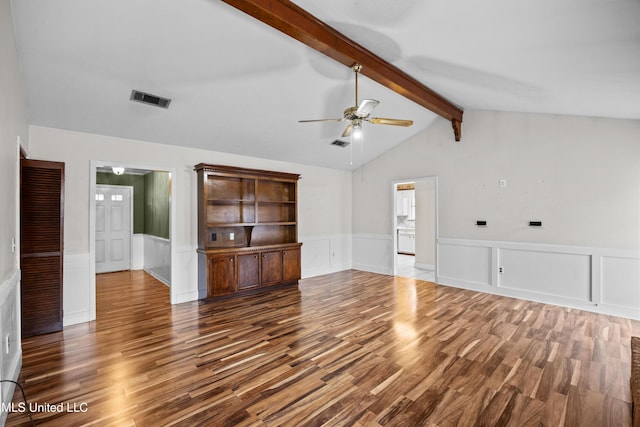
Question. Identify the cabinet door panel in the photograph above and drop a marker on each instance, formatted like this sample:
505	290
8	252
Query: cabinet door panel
291	265
223	275
248	271
271	267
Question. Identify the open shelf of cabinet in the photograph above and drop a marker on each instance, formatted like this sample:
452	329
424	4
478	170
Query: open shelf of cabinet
247	229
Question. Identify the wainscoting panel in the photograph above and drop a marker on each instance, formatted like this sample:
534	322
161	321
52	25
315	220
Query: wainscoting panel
595	279
137	251
157	258
465	263
76	295
10	345
325	254
621	283
373	252
549	273
184	284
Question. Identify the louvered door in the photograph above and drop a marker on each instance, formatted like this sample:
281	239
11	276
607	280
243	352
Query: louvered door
41	245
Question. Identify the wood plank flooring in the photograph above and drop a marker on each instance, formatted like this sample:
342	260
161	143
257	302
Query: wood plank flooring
349	349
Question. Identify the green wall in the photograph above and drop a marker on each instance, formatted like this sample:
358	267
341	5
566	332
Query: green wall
156	204
151	197
135	181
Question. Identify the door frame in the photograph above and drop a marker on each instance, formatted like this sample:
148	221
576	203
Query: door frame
130	190
92	225
394	219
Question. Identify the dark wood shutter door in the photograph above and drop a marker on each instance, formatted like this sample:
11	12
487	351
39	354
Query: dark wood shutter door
41	245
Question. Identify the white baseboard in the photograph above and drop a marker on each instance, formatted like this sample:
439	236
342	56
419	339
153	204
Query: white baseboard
424	266
159	275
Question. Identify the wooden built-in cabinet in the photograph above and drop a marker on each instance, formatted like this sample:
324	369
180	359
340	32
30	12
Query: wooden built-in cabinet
247	229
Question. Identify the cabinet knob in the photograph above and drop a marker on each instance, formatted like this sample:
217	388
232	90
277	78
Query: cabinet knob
284	253
231	259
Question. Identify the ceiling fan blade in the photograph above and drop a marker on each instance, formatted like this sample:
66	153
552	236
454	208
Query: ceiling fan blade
365	107
347	130
392	122
320	120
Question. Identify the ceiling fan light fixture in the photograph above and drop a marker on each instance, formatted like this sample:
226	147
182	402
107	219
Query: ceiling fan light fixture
356	132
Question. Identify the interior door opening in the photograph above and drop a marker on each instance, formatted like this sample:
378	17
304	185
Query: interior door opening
151	246
415	228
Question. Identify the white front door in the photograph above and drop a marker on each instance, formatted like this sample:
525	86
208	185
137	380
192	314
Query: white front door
113	228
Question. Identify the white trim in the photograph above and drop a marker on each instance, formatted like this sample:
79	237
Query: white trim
14	364
603	278
162	239
542	247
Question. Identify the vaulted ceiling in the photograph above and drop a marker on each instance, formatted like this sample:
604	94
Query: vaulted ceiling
240	86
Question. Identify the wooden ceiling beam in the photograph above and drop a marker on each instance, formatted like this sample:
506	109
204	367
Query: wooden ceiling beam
294	21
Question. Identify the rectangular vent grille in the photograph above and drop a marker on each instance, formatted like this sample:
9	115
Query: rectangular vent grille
339	143
147	98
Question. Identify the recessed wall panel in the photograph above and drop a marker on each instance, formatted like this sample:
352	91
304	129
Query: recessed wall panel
621	281
465	263
548	273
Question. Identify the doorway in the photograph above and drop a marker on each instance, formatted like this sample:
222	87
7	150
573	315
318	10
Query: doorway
415	228
163	247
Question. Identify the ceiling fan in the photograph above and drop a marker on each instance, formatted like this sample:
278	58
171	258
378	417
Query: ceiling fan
360	113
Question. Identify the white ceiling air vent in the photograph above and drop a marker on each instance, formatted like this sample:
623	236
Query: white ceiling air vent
147	98
339	143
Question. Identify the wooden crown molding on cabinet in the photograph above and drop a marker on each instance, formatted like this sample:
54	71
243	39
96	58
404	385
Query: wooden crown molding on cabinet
285	16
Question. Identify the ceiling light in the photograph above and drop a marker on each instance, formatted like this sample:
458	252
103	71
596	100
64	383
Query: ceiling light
356	133
118	170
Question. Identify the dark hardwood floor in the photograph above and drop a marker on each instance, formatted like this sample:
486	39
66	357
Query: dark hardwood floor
350	349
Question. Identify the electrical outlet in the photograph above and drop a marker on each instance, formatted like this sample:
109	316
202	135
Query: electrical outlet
232	236
500	270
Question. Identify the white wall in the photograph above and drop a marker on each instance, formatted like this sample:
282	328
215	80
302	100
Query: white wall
324	205
13	124
580	176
